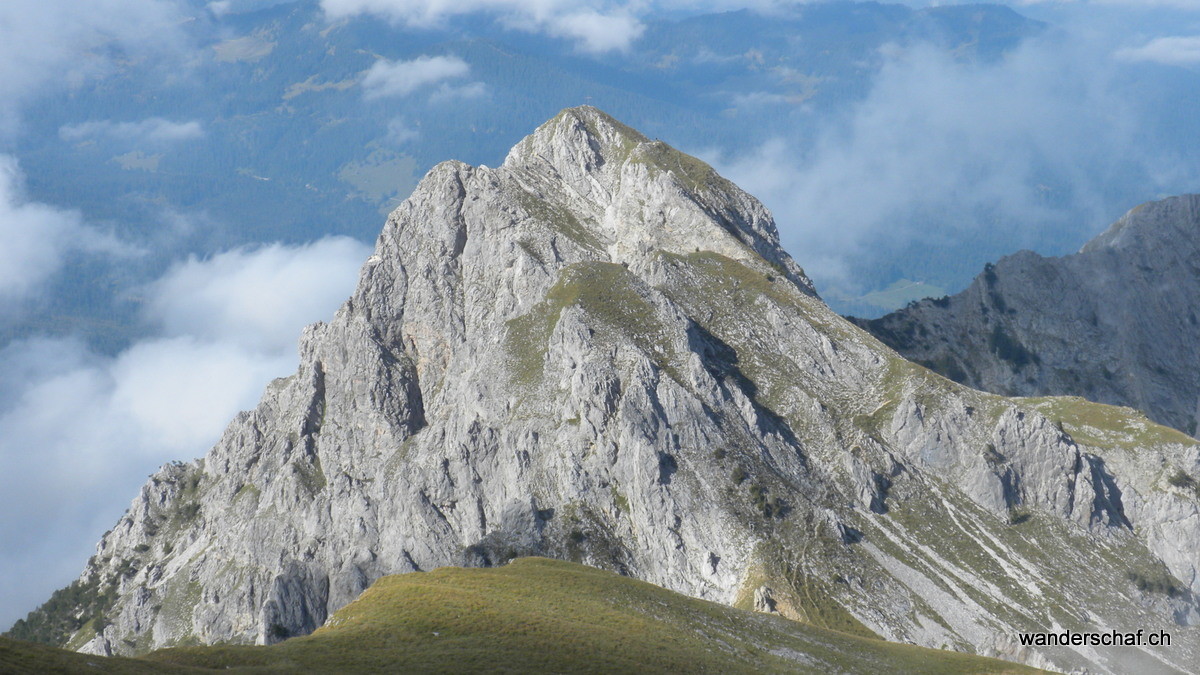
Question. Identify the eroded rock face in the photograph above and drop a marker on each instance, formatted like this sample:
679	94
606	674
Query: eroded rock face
598	352
1118	322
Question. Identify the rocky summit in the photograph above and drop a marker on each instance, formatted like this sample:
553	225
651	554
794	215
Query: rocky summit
599	352
1116	322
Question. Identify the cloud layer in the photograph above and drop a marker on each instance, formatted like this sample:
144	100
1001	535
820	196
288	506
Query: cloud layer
1173	51
36	238
594	26
154	130
400	78
77	428
255	298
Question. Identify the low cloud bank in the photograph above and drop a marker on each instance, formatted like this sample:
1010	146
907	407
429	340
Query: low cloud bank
35	240
154	130
77	427
1174	51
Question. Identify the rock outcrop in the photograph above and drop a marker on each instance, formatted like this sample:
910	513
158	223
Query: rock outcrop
1116	322
599	352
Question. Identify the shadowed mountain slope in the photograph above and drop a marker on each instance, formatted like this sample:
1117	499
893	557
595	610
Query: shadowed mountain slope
1118	322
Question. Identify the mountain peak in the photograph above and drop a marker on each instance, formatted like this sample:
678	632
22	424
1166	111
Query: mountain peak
599	352
583	132
640	195
1131	294
1166	219
586	141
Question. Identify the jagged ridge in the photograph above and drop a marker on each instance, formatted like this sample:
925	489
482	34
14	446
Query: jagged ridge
1131	295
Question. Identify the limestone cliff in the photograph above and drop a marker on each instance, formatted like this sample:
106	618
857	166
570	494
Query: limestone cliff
599	352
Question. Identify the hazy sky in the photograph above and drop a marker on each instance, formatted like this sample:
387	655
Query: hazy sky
969	143
80	431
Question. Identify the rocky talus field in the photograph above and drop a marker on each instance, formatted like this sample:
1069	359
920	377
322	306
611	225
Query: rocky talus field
598	352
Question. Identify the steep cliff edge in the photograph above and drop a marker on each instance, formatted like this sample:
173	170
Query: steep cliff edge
599	352
1118	322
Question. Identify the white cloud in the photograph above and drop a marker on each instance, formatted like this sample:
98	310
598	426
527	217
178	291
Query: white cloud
32	236
77	428
35	238
759	99
596	32
153	130
255	298
175	395
595	26
401	78
55	43
1175	51
400	132
447	93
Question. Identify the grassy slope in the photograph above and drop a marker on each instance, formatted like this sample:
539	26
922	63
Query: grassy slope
534	615
17	656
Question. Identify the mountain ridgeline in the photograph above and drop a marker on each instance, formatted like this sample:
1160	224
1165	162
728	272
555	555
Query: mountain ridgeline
1118	322
598	352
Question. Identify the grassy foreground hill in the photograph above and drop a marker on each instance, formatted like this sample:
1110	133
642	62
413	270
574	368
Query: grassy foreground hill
533	615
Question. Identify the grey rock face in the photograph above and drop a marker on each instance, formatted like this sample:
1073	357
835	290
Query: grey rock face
1116	323
598	352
